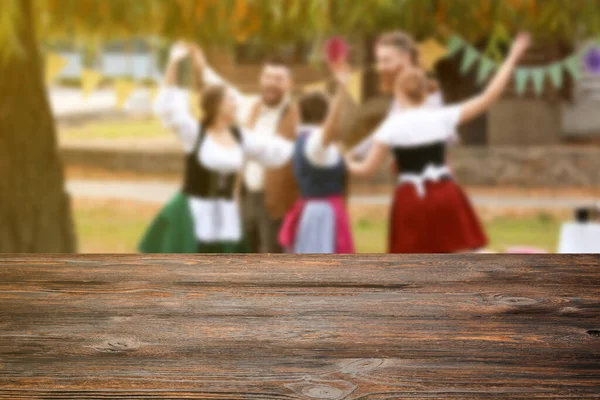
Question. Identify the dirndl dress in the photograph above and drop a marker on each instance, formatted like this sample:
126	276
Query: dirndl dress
318	223
433	216
204	217
430	212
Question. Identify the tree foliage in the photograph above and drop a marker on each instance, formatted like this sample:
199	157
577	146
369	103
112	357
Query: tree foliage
273	21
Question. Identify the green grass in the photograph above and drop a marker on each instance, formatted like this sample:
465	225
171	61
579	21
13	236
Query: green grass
370	234
540	231
126	129
116	227
110	227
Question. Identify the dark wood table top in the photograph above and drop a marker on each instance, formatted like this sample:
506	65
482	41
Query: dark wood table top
290	327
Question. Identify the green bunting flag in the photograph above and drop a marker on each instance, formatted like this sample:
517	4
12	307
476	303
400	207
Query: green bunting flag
556	74
573	66
538	76
455	44
469	58
554	71
521	78
486	66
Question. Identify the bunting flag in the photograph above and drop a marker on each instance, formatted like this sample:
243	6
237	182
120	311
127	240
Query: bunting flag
355	86
431	51
90	79
55	63
486	66
195	108
455	44
556	74
315	87
123	89
521	79
538	77
469	58
573	65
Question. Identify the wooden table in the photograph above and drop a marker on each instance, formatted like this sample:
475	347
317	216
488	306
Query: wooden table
285	327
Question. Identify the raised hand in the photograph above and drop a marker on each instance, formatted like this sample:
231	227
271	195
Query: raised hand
197	55
520	45
178	52
480	103
341	72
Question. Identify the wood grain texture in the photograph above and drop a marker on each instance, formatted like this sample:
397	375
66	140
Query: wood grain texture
299	327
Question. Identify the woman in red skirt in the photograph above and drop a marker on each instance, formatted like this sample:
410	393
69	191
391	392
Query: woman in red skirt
430	212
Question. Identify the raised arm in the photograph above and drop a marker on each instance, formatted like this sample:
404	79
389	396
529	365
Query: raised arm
172	103
382	141
373	161
478	105
270	151
330	128
210	77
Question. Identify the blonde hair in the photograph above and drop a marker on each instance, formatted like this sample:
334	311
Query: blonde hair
402	42
414	85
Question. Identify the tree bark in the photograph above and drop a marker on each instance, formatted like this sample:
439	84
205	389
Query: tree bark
35	210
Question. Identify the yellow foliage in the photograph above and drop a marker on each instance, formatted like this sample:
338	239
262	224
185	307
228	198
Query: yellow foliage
240	10
200	9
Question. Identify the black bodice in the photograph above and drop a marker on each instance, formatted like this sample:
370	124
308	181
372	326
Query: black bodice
199	181
313	181
414	160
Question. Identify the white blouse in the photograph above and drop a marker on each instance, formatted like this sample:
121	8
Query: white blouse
434	100
266	124
217	220
418	127
172	107
316	153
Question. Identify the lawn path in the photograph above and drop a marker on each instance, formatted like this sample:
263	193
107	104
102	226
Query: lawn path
161	192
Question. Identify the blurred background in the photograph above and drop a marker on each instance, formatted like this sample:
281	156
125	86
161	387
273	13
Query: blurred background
84	165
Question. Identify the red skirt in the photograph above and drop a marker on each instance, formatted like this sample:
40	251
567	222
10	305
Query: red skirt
443	221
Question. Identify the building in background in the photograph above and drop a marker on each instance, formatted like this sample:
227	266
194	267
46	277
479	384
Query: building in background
566	116
136	59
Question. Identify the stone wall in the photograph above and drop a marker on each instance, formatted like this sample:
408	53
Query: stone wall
524	121
139	161
549	166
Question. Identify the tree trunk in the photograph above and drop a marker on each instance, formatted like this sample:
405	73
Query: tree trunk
370	84
35	210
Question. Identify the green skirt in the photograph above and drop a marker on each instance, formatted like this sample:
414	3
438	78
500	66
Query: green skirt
172	231
223	248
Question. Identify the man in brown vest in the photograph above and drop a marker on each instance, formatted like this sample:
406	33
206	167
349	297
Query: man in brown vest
267	194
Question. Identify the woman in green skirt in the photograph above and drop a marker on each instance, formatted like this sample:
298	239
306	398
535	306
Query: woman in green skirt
204	217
